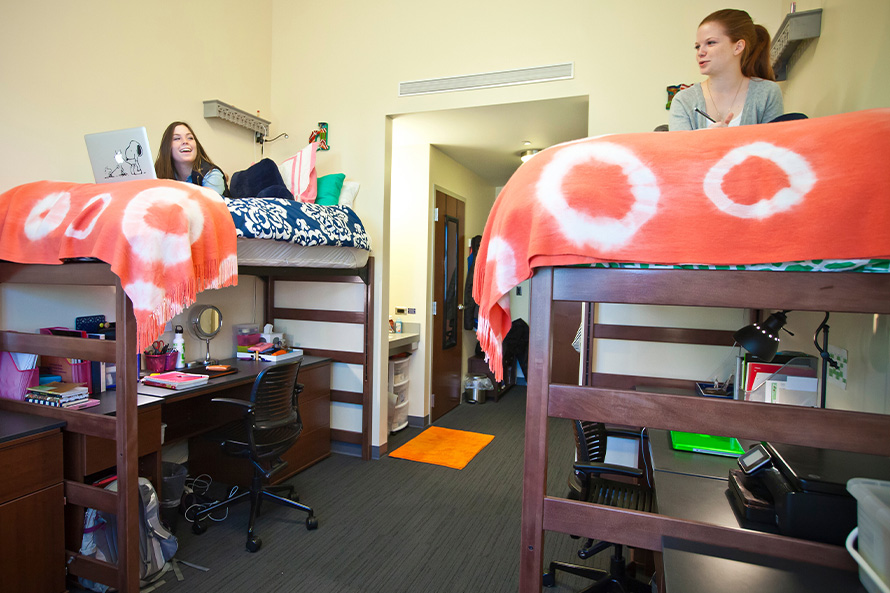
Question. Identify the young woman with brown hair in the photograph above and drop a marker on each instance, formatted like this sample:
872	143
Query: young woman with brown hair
182	157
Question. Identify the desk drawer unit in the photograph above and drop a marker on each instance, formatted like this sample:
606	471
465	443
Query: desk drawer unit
32	549
88	455
314	443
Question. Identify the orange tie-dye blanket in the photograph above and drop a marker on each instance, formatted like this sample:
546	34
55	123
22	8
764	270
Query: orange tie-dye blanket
166	241
790	191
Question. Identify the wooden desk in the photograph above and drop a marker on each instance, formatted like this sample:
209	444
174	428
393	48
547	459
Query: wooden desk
190	413
694	486
313	445
32	548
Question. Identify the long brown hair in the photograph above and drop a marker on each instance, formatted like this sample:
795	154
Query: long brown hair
164	168
737	24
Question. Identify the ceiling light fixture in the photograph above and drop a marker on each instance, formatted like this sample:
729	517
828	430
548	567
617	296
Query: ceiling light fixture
527	154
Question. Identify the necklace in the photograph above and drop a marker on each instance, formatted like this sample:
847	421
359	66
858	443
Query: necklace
720	115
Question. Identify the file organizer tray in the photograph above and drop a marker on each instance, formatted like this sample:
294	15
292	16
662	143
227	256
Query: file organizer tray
14	382
71	372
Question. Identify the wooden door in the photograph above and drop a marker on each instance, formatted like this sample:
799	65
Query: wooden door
448	282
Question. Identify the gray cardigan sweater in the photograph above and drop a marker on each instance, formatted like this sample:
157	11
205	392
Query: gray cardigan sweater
762	104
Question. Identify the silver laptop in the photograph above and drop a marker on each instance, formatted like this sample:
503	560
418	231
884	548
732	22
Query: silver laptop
121	155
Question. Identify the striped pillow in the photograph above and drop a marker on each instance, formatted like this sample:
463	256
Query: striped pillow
298	173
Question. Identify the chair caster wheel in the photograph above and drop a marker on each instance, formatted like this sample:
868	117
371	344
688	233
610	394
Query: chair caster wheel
549	579
198	528
311	523
254	544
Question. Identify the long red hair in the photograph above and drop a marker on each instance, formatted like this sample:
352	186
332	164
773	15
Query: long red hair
737	24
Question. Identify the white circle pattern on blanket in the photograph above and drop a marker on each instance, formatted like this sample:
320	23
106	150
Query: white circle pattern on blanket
603	232
501	258
152	244
47	214
798	170
145	296
83	233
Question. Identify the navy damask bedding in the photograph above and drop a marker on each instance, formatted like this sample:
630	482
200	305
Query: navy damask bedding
295	222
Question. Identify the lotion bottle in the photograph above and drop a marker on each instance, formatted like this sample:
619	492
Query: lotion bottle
179	346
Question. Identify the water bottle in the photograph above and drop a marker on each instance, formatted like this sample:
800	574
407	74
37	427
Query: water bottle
179	346
398	325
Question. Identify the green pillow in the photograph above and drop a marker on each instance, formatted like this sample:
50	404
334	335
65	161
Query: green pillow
329	187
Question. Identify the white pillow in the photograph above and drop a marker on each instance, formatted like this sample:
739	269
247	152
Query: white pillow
298	173
348	193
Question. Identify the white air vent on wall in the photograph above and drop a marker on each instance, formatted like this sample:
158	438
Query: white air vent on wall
488	79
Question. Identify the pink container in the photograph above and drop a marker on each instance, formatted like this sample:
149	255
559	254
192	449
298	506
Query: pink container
171	360
155	363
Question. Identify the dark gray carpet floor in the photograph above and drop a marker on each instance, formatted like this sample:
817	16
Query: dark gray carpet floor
392	525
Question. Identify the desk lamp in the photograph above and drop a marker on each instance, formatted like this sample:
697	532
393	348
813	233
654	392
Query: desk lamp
762	340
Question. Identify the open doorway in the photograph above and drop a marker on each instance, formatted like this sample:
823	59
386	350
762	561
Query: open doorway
469	153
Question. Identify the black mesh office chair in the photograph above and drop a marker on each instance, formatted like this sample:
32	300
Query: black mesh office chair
587	483
271	425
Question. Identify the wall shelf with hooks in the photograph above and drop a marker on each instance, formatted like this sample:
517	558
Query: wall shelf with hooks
795	29
224	111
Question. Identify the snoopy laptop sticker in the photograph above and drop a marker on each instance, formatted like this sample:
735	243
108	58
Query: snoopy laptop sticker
121	155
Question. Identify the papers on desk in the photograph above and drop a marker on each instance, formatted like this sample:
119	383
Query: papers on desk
786	389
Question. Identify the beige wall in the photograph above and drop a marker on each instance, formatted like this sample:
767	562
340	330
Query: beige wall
844	69
71	68
410	243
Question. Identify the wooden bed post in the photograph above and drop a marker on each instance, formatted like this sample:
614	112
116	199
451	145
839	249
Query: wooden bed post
368	375
535	477
127	437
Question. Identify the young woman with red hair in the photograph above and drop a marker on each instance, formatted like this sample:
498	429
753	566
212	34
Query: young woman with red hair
739	89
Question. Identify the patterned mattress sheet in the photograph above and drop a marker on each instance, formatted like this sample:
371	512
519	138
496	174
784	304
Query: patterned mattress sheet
299	223
876	266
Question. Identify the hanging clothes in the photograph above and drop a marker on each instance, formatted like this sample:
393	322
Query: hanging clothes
471	307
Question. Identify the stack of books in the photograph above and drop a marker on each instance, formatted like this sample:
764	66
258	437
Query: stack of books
272	356
73	396
176	380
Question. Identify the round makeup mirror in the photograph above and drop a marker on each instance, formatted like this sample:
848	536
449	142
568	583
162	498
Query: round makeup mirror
205	321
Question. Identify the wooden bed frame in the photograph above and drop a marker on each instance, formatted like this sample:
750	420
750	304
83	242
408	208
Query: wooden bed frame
614	400
122	428
365	318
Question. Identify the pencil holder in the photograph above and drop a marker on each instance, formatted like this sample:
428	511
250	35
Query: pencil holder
170	364
155	363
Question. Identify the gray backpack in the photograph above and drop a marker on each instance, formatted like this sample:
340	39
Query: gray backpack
156	545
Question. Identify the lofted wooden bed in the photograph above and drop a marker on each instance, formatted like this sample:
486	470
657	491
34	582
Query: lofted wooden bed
364	318
836	429
686	219
122	427
214	255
